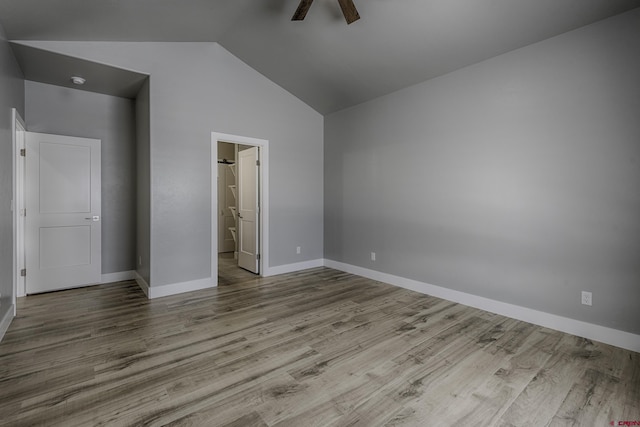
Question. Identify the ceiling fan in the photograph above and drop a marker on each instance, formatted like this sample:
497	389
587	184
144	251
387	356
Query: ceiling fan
348	10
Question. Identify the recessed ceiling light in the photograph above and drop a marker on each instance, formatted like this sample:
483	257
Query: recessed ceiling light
77	80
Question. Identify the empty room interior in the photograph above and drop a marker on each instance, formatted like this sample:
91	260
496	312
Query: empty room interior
320	213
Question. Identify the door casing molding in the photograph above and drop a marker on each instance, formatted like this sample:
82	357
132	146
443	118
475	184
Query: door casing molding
17	203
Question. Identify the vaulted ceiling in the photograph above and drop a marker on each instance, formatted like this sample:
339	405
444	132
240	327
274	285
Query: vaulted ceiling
323	61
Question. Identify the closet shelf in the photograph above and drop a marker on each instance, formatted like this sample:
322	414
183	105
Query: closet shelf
233	168
233	190
233	233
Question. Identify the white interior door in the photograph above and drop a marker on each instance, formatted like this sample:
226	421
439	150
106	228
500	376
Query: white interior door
63	209
248	210
226	206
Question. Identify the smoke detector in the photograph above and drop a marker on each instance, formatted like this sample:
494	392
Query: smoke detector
77	80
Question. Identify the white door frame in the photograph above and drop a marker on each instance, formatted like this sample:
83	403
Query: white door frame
18	125
263	217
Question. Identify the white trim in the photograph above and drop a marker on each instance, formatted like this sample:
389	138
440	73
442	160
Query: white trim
178	288
291	268
264	197
6	321
591	331
118	276
142	283
19	283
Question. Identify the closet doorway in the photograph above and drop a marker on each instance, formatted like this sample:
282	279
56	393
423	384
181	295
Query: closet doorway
239	232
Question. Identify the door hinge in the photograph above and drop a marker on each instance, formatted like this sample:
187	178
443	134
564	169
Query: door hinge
257	162
23	272
258	257
23	152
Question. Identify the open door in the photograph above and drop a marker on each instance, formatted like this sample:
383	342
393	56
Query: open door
248	210
63	208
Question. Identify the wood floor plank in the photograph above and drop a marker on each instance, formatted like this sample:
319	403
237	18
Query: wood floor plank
213	386
548	389
234	406
358	368
628	390
589	401
483	402
312	348
249	420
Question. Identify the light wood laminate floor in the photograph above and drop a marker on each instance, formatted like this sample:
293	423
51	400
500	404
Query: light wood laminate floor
314	348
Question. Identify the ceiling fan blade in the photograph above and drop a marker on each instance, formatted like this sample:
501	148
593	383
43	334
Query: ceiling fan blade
302	10
349	11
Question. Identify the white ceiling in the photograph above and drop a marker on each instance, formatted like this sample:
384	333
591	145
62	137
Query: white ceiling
323	61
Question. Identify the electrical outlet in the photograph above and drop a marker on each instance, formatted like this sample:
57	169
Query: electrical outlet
373	256
586	298
298	249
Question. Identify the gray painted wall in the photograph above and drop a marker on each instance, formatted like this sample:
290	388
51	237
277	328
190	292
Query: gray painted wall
197	88
73	112
11	96
515	179
143	184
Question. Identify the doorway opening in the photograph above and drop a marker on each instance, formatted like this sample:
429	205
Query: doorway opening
239	227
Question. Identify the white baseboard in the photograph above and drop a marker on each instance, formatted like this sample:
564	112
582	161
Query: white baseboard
603	334
173	288
142	283
6	320
196	285
290	268
118	277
